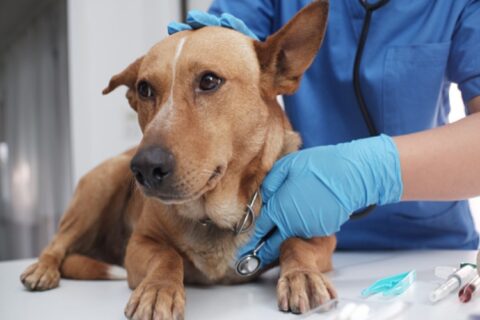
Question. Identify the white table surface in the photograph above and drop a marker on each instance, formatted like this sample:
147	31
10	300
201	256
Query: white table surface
353	272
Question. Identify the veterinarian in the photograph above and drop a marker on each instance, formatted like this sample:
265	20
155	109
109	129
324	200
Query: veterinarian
420	170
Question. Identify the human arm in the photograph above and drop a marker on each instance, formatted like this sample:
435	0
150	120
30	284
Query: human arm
313	192
442	163
455	147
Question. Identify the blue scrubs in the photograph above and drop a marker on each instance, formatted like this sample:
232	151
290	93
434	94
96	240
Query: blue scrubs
415	49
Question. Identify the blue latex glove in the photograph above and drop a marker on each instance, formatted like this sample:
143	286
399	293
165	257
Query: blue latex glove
198	19
313	192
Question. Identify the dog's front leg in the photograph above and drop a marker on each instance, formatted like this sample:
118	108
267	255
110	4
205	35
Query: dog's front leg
94	194
302	285
155	272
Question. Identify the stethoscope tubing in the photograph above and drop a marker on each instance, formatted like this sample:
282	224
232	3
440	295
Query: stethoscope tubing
373	6
367	117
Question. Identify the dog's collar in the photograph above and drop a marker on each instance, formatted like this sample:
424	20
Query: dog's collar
246	223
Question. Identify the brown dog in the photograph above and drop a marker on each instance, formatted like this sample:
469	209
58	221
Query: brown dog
212	129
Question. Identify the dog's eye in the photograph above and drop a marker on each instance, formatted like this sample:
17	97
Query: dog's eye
145	90
210	82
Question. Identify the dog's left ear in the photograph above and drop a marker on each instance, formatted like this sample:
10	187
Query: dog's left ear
127	77
287	54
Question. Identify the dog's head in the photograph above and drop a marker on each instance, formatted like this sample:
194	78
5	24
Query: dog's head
206	103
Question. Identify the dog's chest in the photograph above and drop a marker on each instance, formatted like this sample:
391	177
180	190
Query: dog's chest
211	261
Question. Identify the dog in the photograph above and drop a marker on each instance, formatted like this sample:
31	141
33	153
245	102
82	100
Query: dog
169	209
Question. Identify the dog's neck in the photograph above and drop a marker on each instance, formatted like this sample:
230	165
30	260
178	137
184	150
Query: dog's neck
226	204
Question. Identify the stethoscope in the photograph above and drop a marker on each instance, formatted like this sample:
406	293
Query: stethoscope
250	263
367	117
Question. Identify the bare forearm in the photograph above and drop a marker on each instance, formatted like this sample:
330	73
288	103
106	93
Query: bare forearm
443	163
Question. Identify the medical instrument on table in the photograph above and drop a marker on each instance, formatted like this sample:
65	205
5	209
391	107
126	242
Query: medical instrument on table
250	263
369	9
454	281
443	272
465	294
391	286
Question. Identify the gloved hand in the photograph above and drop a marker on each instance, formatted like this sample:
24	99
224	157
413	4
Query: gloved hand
198	19
313	192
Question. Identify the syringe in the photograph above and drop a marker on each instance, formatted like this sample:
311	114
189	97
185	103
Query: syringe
454	281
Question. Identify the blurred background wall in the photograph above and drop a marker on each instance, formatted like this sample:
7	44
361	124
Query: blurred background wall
35	144
56	56
104	38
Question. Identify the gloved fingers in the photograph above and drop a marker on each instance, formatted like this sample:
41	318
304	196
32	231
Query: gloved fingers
274	179
198	19
270	251
229	21
262	226
174	27
264	222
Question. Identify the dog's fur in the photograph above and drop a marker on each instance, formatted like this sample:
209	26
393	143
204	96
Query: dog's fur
224	143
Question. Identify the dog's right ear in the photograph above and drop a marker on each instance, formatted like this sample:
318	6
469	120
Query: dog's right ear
127	77
287	54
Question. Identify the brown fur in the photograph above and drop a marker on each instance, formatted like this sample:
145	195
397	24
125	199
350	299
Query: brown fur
224	144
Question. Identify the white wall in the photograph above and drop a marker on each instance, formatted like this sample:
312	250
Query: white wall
103	38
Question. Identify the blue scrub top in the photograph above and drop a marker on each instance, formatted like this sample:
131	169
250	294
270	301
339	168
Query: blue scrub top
415	49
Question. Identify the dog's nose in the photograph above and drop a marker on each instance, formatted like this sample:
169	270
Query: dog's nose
152	165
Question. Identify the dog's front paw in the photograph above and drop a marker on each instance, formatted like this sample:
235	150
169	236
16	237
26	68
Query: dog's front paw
162	300
301	291
40	276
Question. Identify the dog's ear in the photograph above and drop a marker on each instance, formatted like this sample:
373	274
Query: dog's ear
287	54
127	77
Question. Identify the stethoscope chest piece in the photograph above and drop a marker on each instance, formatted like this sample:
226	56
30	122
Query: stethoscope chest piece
247	265
250	263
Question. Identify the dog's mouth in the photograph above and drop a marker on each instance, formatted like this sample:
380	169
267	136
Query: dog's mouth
179	197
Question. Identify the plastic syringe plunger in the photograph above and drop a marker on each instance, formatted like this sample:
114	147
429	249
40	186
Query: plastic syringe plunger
454	281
